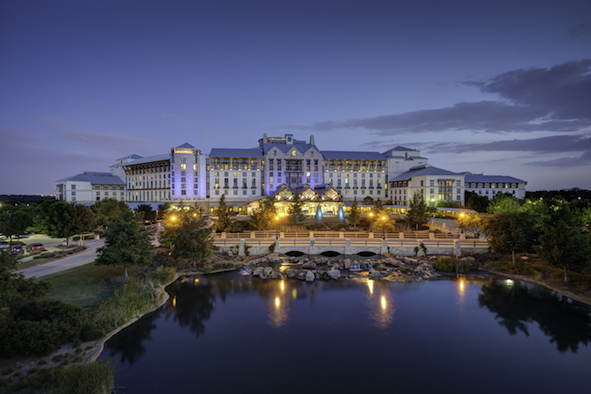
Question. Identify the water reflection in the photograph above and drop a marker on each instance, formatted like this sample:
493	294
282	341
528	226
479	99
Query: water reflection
130	347
516	303
380	303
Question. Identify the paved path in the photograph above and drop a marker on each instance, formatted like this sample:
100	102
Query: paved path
86	257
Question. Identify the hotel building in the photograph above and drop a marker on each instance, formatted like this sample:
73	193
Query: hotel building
246	175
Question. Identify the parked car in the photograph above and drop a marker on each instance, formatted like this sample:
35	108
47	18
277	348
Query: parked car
4	245
17	249
33	247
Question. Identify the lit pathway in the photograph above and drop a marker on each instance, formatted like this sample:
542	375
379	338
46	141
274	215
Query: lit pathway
85	257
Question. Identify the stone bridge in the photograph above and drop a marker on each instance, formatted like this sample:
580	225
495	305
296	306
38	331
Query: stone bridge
316	246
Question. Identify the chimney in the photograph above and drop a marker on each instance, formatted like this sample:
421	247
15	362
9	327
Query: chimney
312	142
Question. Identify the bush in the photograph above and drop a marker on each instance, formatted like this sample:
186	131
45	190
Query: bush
135	296
85	378
450	264
40	327
207	270
164	274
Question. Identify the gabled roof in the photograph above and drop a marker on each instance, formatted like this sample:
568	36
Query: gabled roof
424	170
480	178
348	155
186	145
133	156
302	148
95	178
240	153
399	149
149	159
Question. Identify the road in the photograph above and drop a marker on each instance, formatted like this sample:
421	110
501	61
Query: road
85	257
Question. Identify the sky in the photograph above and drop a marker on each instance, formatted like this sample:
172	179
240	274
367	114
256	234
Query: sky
499	87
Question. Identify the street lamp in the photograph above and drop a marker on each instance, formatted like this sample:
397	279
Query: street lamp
276	227
370	222
384	226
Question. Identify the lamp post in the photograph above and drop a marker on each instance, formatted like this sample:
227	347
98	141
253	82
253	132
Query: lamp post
371	222
384	226
276	227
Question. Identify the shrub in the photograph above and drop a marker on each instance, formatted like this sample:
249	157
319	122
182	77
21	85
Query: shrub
164	274
41	327
207	270
57	358
33	370
450	264
135	296
43	361
85	378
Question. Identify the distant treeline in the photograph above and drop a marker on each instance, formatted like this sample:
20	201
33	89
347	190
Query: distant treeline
24	198
566	194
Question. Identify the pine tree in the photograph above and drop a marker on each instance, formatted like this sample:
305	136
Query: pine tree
296	216
417	214
223	215
264	217
193	239
354	214
127	242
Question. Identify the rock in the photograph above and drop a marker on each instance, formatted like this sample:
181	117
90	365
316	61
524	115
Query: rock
309	276
374	275
258	271
470	258
268	270
302	275
347	264
333	274
522	258
309	265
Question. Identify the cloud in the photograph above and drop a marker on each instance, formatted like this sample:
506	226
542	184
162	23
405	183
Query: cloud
552	144
556	99
580	30
583	160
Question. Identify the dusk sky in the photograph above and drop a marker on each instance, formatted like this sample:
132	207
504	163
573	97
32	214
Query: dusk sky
500	87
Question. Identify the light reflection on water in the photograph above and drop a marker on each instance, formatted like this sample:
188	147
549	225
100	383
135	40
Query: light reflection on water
364	323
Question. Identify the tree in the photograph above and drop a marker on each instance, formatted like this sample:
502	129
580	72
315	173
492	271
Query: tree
354	214
264	217
192	238
417	214
127	242
511	231
21	220
65	219
473	222
476	202
296	215
148	213
503	202
162	210
14	287
107	210
223	215
565	242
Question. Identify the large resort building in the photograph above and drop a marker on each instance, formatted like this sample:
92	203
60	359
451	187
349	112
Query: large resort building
278	168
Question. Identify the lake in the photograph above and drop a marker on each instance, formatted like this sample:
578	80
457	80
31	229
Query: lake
227	333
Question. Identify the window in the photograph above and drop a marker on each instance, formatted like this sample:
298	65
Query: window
73	187
194	166
183	179
432	190
183	166
431	183
73	193
183	192
183	173
422	182
458	183
235	192
183	160
73	198
217	192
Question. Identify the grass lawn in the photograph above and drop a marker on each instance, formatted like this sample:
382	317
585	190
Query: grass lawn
88	284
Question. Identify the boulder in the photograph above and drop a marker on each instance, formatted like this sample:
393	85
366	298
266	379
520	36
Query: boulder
258	271
302	275
229	253
268	270
309	277
347	264
374	275
309	265
522	258
333	274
